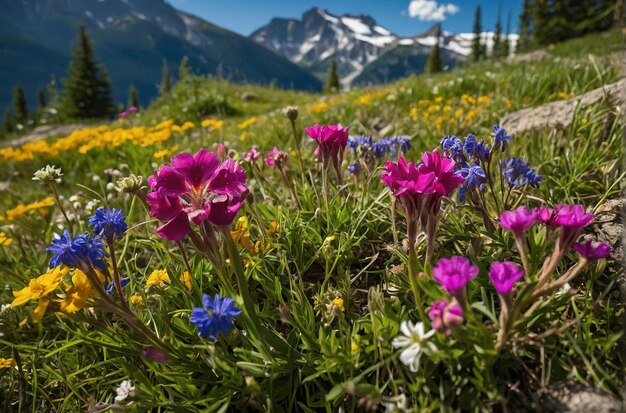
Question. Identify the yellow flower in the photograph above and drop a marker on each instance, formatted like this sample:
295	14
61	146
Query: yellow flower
78	293
241	235
244	136
319	107
187	125
273	229
158	278
19	210
136	299
355	347
413	113
261	247
247	123
185	279
583	121
338	303
5	241
40	287
458	113
7	363
212	123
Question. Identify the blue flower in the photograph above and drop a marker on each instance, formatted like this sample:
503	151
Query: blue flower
355	141
451	144
79	252
109	223
500	137
401	142
216	316
123	282
475	177
517	173
354	168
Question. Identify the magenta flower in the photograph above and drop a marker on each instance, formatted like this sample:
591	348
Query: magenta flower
251	156
544	215
591	250
122	115
197	188
331	140
517	221
445	315
276	157
453	274
132	109
503	275
446	180
155	354
572	218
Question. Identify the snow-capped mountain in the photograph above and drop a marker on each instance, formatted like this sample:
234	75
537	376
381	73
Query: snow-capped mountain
355	41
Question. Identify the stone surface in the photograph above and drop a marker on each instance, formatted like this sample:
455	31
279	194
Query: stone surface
559	114
529	57
574	399
42	132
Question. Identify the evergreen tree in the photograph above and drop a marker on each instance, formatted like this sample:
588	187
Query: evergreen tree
496	51
332	81
541	17
133	96
87	90
53	92
523	43
184	71
506	44
8	123
434	64
166	84
20	108
477	47
41	99
558	26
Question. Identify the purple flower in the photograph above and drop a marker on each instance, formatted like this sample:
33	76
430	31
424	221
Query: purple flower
453	274
544	215
109	223
517	221
251	156
572	217
500	137
132	109
196	188
155	354
503	275
355	168
360	140
591	250
216	316
331	140
276	158
445	315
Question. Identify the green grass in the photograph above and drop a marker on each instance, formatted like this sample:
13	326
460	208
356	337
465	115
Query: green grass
305	357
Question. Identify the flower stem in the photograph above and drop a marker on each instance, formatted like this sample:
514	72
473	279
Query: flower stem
53	188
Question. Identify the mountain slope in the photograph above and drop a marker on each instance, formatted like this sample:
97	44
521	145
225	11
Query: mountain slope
131	38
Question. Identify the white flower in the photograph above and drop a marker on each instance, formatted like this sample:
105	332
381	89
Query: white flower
414	342
125	389
49	173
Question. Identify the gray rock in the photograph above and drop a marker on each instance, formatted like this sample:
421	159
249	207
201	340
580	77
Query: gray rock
572	398
535	56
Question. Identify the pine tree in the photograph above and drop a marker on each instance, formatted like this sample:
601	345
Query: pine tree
558	27
166	84
20	108
53	92
332	81
42	102
477	47
133	96
496	51
434	64
87	90
184	71
506	44
541	17
523	43
8	123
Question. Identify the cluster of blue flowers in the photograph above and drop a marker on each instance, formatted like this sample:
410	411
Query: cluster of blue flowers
216	316
471	156
380	148
109	223
82	251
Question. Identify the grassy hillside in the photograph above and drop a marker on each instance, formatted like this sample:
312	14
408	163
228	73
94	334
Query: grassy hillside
321	269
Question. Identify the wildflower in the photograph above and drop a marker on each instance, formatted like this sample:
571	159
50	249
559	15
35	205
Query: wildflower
570	219
332	140
129	184
48	174
338	304
452	146
517	173
241	234
215	316
276	158
136	299
77	295
7	363
391	146
273	228
124	390
503	276
109	223
544	215
475	179
197	188
414	343
475	149
5	240
500	137
291	112
123	283
453	274
79	252
445	315
132	109
251	156
592	251
185	279
517	221
40	287
158	278
155	354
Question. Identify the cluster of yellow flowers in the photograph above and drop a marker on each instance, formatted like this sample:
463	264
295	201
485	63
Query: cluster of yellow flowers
7	363
464	109
87	139
367	98
5	240
18	211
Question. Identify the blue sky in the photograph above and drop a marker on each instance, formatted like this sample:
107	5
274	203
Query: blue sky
403	17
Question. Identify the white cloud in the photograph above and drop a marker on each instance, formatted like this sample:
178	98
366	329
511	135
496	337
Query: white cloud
430	10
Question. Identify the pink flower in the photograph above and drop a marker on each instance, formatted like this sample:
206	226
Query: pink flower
331	140
445	315
573	218
544	215
122	115
132	109
591	250
276	157
453	274
503	275
517	221
197	188
446	180
251	156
